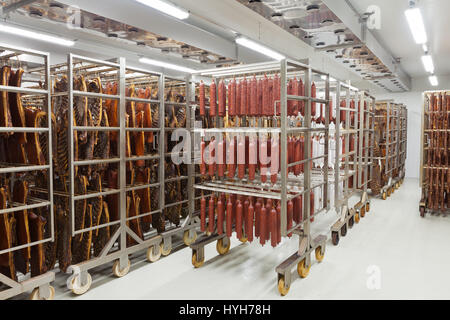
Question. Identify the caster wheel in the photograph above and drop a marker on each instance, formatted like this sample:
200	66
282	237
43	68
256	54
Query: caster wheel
302	270
384	196
196	263
363	211
243	239
319	254
422	212
187	240
335	238
282	289
35	294
367	207
83	289
165	253
221	248
151	256
357	218
350	222
120	273
344	230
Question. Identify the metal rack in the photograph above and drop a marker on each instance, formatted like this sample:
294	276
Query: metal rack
126	235
287	186
403	143
353	161
387	122
434	160
38	176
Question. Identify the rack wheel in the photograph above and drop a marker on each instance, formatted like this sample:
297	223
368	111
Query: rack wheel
165	253
319	254
302	270
151	256
367	207
362	211
422	212
188	241
357	218
384	195
344	230
195	262
120	273
335	237
35	294
83	289
350	222
282	289
221	249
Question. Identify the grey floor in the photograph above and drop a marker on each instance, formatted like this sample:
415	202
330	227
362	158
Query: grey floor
391	254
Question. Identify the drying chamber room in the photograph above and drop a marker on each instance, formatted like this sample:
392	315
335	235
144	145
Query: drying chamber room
224	149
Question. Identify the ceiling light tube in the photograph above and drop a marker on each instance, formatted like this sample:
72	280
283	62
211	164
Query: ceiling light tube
427	61
259	48
166	8
433	81
166	65
415	21
35	35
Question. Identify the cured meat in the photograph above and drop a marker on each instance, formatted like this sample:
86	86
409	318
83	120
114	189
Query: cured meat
290	214
264	159
221	158
244	98
273	226
95	105
252	159
202	99
102	148
203	214
15	106
20	194
112	110
229	223
139	139
37	224
143	176
64	243
253	97
33	148
211	213
249	223
265	96
241	157
102	235
133	205
5	113
7	224
313	95
232	100
212	158
258	207
232	158
277	94
275	166
220	215
278	222
80	108
222	99
301	93
239	218
212	99
296	91
202	157
262	226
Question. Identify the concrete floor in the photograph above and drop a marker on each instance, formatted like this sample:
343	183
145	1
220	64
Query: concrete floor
391	254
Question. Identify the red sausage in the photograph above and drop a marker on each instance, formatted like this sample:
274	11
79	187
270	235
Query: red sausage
211	214
238	99
311	206
262	226
233	211
259	93
274	166
220	215
202	158
290	213
258	206
290	103
277	94
330	113
295	88
250	217
222	98
202	99
220	158
252	159
273	227
297	209
203	214
232	102
264	159
343	113
302	153
278	222
271	98
253	97
212	162
243	109
245	215
297	156
247	101
265	96
239	216
229	224
313	95
241	158
212	99
232	159
291	150
301	92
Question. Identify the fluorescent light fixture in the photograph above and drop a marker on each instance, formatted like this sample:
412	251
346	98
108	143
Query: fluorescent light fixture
259	48
427	61
35	35
415	21
166	65
425	48
166	8
433	80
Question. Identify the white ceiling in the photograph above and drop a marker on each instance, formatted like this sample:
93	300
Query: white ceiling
396	37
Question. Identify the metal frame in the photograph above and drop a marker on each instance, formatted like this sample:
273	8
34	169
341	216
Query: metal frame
116	249
41	282
286	186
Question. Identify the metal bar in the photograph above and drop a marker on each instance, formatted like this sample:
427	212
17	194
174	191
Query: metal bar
23	129
95	161
80	128
25	207
96	194
87	94
23	90
24	169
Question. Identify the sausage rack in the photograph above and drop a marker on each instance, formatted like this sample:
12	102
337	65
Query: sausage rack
39	284
287	187
117	249
434	161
